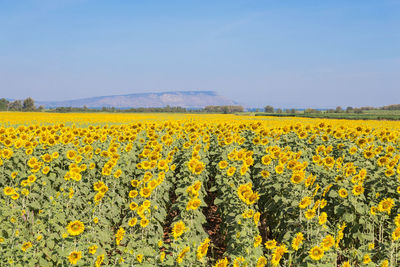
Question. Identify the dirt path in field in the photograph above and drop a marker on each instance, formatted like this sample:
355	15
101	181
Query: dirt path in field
172	213
213	227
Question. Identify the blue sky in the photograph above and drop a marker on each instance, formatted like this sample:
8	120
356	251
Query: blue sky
287	53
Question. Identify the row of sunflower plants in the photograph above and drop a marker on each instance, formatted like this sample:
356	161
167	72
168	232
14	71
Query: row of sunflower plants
189	242
237	205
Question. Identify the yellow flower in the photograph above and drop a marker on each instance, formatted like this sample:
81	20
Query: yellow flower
297	241
371	246
256	218
310	213
279	169
358	190
323	218
92	249
386	205
366	259
305	202
133	193
99	260
343	193
385	263
133	222
143	222
178	229
75	228
74	257
133	206
327	242
8	191
193	204
222	263
261	261
270	244
223	164
202	249
119	235
26	245
316	253
139	258
182	254
257	241
231	171
396	234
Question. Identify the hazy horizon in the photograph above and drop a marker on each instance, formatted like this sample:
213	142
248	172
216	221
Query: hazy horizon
280	53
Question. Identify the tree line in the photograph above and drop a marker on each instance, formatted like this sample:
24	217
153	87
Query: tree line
338	109
29	105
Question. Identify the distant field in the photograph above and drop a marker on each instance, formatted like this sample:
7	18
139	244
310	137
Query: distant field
367	115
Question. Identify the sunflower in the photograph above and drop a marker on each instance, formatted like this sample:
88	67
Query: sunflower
133	193
139	258
256	218
182	254
202	249
231	171
26	245
266	160
223	164
71	154
261	261
132	222
297	241
119	235
316	253
310	213
279	169
265	173
342	193
386	205
178	229
133	206
270	244
74	257
99	260
222	263
257	241
92	249
297	177
75	228
327	242
358	190
366	259
305	202
193	204
144	222
8	191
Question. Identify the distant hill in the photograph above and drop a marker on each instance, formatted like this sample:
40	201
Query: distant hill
185	99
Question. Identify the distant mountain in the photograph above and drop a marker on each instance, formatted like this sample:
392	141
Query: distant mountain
185	99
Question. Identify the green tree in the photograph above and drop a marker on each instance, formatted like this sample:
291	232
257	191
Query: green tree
338	109
28	105
269	109
4	104
15	105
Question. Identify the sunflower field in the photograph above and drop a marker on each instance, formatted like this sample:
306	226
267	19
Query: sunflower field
197	190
